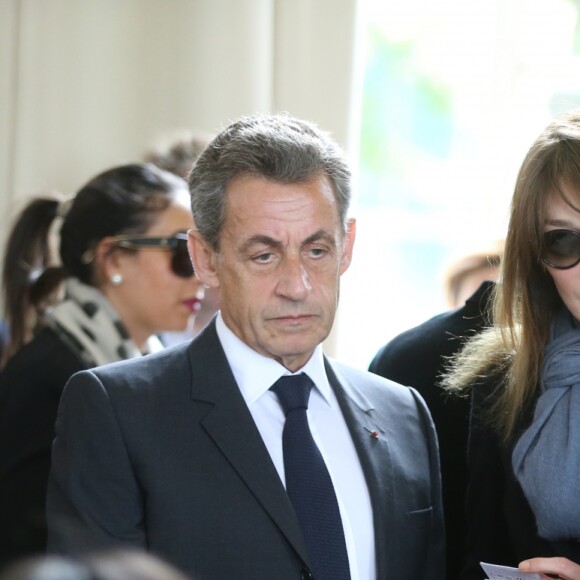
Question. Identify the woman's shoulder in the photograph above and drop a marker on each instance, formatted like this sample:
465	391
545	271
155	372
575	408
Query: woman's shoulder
45	359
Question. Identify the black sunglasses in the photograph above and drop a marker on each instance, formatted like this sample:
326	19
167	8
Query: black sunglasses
180	261
561	249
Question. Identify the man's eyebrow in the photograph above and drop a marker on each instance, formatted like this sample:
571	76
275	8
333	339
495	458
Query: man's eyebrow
261	240
321	235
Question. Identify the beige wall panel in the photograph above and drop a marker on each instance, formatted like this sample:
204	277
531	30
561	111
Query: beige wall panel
100	81
315	62
8	92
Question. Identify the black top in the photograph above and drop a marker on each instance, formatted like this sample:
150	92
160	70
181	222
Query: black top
30	388
416	358
501	527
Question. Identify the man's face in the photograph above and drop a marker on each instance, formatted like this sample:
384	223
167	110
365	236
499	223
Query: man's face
281	255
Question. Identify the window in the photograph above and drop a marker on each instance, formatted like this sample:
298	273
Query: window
454	94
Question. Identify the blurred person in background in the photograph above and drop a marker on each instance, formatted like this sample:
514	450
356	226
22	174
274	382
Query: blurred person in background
465	274
124	274
178	156
109	565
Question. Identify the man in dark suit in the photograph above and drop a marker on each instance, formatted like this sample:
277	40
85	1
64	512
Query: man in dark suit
417	358
189	453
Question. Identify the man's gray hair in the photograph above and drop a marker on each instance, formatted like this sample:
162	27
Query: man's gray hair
277	147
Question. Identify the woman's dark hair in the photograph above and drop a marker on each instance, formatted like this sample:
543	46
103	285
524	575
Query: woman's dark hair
124	199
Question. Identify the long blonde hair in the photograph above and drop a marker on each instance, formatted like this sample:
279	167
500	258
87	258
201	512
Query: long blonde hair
525	299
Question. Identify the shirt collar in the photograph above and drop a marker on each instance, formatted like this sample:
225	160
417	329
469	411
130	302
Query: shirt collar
256	373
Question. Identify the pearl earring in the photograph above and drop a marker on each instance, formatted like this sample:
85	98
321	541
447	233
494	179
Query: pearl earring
116	279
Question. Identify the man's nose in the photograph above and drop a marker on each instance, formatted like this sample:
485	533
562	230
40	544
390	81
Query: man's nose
294	282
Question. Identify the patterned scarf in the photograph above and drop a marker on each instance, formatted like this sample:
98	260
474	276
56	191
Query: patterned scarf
546	459
87	322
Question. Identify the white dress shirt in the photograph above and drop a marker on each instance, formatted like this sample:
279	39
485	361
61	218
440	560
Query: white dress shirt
255	374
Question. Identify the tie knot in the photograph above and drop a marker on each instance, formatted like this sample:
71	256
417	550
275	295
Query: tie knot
293	391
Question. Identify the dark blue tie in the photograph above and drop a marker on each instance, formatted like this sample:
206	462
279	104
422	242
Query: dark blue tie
308	483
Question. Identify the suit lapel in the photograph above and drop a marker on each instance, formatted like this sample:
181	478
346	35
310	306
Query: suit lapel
372	445
231	426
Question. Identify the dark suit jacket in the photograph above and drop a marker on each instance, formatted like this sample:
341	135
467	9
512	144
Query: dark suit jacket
417	358
30	388
163	453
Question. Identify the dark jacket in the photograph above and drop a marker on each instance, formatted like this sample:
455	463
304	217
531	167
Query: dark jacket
501	526
162	453
416	358
30	388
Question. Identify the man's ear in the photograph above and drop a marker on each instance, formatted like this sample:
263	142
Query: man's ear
204	258
348	245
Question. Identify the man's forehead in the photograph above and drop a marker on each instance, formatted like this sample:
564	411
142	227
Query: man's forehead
257	206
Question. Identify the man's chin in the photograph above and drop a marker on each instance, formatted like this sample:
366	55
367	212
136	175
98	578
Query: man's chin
294	350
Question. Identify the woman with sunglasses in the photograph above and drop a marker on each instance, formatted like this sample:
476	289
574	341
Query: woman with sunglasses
122	275
523	374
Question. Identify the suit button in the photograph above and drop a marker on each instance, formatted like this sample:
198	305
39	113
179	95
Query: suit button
306	574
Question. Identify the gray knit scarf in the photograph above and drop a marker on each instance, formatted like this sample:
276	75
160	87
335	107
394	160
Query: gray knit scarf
89	325
546	459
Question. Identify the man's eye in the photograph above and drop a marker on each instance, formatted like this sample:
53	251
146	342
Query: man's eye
264	258
318	252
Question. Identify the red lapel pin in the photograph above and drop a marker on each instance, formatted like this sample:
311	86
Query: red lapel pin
373	433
